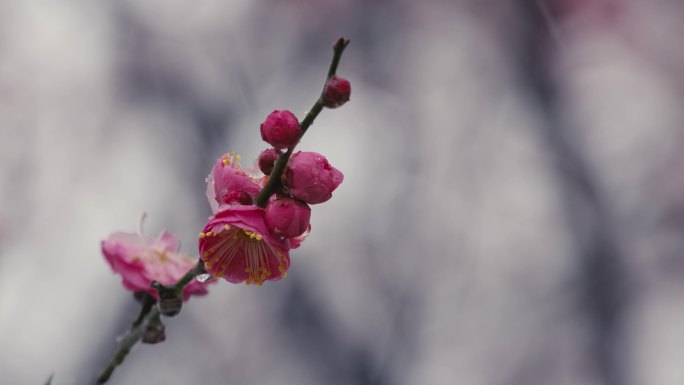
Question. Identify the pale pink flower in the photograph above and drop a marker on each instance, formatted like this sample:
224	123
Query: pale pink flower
311	178
141	260
287	217
236	245
229	184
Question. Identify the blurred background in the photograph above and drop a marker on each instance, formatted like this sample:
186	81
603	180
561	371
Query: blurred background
512	211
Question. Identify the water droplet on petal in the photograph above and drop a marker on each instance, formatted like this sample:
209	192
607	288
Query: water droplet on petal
203	277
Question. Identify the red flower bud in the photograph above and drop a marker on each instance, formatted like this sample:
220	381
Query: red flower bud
267	159
310	177
336	92
287	217
281	129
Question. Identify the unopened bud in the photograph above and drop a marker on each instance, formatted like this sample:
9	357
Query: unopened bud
281	129
310	177
267	160
336	92
287	217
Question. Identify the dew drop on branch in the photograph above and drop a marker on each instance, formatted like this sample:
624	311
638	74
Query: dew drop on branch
203	277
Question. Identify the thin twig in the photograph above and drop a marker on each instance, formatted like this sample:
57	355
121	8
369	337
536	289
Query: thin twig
274	178
146	305
189	276
127	343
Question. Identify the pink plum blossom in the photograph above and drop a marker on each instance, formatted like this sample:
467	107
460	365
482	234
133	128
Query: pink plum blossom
311	178
281	129
237	246
229	184
141	260
287	217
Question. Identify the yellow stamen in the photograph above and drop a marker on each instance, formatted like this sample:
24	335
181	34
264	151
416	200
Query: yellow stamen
235	242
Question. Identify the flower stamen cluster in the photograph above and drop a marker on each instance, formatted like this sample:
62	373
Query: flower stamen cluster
227	246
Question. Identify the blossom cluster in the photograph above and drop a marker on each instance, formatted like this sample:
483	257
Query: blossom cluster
258	215
255	223
243	242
